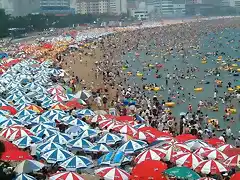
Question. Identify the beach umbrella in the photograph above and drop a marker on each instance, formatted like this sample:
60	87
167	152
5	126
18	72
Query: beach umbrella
28	166
47	132
86	112
84	95
211	167
233	161
59	97
35	108
26	141
125	137
68	118
100	148
150	169
70	96
143	135
54	90
89	133
206	178
225	147
20	132
74	104
57	116
100	112
78	122
150	154
59	138
48	104
3	118
236	176
24	177
196	143
139	118
12	97
112	173
79	143
201	150
46	146
23	100
189	160
40	127
109	139
74	130
60	106
114	158
215	154
8	146
98	118
215	142
182	173
185	137
27	118
109	124
9	122
39	119
125	129
25	112
9	109
76	162
4	113
52	112
66	176
56	155
7	131
133	146
15	155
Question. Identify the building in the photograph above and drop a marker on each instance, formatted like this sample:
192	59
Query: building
163	8
56	7
114	7
230	3
139	14
18	8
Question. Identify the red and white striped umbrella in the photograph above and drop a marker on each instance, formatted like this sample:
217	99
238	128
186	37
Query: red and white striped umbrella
112	173
18	133
215	154
189	160
225	147
66	176
151	154
175	148
211	167
6	132
59	97
55	91
233	161
108	123
201	150
98	118
125	129
143	135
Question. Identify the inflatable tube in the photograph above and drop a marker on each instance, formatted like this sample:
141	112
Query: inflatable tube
198	89
219	58
139	74
170	104
214	122
150	65
204	62
238	70
147	88
156	89
238	87
234	65
230	89
233	111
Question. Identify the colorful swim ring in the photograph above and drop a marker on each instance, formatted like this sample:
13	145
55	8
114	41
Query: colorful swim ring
238	70
214	122
198	89
150	65
170	104
232	110
230	89
139	74
234	65
204	62
238	87
156	89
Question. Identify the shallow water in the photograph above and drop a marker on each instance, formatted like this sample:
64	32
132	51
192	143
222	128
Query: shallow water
221	42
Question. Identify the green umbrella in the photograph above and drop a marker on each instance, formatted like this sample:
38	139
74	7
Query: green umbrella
182	173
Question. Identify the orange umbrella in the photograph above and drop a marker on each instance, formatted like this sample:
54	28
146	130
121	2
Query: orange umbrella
35	108
60	106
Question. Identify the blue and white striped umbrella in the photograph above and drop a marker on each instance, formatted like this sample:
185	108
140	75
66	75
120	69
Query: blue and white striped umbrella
67	118
23	100
139	118
79	143
47	104
132	146
100	148
26	118
43	98
41	148
196	143
13	97
4	113
78	122
41	89
109	139
86	112
53	112
114	158
40	127
24	177
31	85
26	141
47	132
3	102
139	126
28	166
76	162
56	155
3	118
89	133
21	107
9	122
57	116
25	112
74	130
60	138
70	96
39	119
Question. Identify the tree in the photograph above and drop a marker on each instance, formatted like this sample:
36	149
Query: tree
3	24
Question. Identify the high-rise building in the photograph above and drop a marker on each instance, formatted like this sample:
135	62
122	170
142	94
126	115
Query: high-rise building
163	7
56	7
